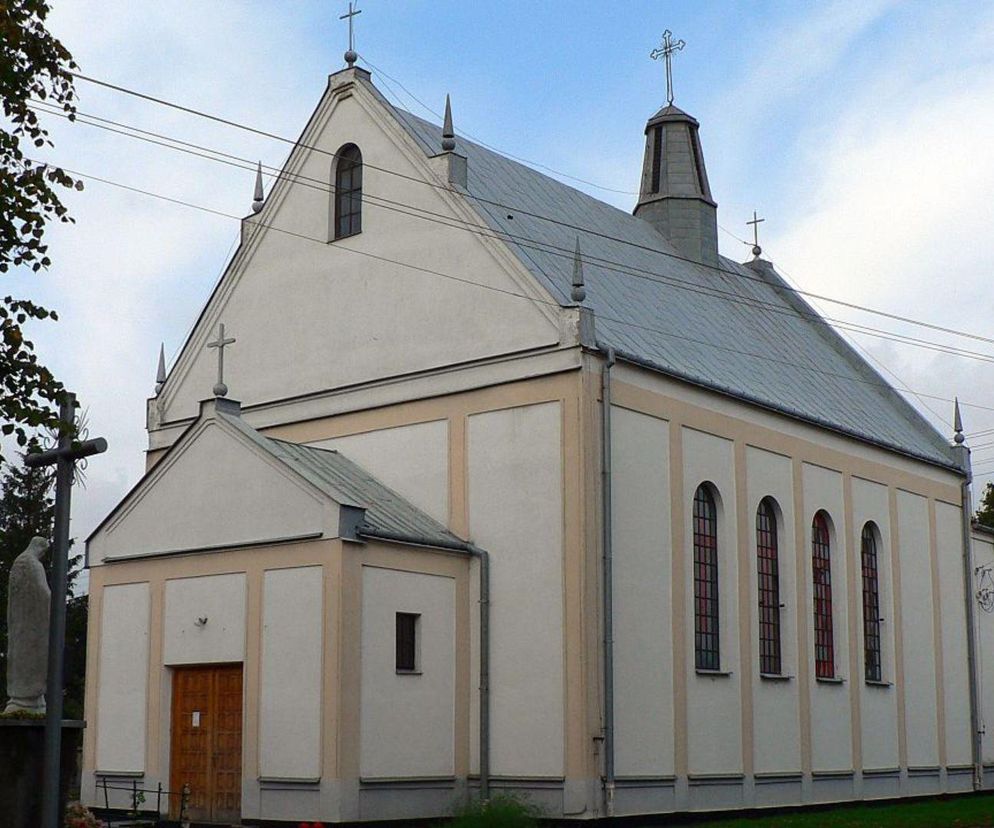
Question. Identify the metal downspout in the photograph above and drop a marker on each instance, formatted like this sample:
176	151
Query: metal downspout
484	556
608	584
971	626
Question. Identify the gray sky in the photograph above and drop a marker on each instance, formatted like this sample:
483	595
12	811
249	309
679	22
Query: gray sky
861	131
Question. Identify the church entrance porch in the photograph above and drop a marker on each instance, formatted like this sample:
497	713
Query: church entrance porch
206	741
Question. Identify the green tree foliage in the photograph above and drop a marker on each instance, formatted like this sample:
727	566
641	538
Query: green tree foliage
985	512
27	508
33	66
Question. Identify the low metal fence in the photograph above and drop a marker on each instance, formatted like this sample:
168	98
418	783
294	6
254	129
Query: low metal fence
138	798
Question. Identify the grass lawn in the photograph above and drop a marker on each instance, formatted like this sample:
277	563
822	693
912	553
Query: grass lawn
967	811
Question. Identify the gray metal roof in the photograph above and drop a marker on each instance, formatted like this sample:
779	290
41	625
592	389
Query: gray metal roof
739	330
387	513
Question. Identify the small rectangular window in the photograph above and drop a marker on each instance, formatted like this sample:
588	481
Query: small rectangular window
407	642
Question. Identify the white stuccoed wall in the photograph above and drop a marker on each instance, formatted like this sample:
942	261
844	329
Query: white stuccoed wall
407	721
714	709
411	320
919	640
643	651
218	598
412	460
831	710
226	492
122	703
290	723
776	739
516	513
878	705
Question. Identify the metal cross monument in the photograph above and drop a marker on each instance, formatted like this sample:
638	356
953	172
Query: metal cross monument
350	55
666	51
220	389
756	221
63	457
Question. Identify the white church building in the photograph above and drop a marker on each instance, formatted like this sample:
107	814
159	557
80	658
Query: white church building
523	492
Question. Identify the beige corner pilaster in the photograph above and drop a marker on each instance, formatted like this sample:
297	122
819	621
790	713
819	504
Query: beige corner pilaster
574	525
92	690
153	718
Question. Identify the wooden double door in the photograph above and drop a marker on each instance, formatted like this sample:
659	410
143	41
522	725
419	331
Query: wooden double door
206	742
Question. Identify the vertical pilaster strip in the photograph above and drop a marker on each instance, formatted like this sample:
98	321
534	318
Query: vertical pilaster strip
153	720
251	672
746	604
464	683
92	689
679	591
458	486
854	580
573	528
940	686
895	555
804	666
331	571
350	663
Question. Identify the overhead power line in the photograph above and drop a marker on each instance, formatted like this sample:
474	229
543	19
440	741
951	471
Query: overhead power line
521	211
238	162
493	288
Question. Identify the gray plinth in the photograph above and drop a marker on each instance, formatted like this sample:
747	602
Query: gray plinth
22	746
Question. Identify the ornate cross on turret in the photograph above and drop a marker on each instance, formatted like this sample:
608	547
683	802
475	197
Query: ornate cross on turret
220	389
351	56
666	52
756	221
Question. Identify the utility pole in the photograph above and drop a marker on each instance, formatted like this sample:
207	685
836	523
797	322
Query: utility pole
63	457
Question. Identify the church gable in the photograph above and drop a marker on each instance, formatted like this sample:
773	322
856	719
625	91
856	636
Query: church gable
214	489
414	282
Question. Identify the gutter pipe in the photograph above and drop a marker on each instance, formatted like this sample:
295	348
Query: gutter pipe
608	583
484	557
976	746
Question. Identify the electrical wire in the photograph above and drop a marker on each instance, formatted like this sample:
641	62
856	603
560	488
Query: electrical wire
521	211
238	162
535	300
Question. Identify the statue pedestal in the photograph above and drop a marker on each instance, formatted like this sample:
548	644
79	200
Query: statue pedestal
22	762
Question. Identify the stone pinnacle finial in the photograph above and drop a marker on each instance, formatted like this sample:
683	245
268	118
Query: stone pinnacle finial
579	291
160	373
259	197
448	134
958	438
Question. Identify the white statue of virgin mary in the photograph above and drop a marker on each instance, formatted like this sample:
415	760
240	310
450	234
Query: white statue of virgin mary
28	601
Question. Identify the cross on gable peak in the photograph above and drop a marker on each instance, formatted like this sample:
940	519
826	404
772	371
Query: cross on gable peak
220	389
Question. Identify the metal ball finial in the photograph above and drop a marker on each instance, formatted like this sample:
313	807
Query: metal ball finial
351	56
220	389
756	250
959	439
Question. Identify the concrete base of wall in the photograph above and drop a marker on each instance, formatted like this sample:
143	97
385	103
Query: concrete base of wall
22	763
370	802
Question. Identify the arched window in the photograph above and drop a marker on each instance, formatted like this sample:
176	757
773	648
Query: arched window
707	655
348	192
768	566
871	605
821	565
